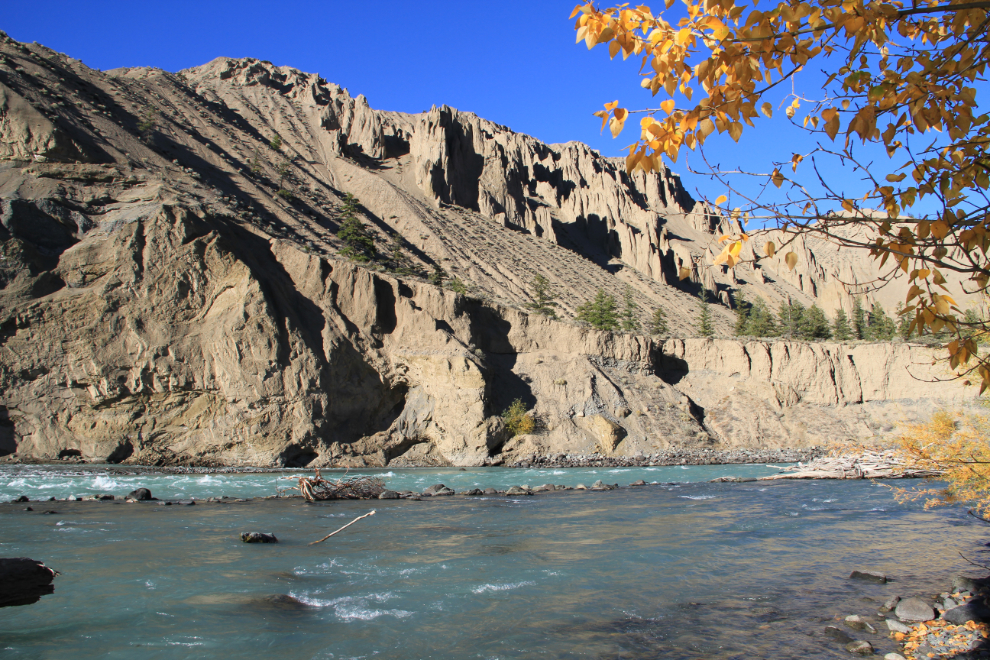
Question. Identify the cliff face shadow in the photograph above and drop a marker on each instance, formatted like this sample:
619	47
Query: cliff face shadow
8	443
670	369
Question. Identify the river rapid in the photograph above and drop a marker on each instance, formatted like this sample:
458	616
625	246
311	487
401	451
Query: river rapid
674	570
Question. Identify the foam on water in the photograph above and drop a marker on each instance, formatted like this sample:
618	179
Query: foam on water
501	587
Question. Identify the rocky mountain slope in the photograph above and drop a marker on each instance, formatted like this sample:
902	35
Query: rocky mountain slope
171	288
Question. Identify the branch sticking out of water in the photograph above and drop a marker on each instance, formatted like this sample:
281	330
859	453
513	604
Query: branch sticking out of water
370	513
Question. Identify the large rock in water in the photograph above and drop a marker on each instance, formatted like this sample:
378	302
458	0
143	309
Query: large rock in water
160	305
24	581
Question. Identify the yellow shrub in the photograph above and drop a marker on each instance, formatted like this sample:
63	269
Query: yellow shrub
958	444
516	419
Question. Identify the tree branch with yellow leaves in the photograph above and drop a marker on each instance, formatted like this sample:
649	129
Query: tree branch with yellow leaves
899	77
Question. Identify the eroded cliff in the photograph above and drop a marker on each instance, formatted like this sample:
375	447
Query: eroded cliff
171	289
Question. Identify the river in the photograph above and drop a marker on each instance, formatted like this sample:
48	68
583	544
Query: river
676	570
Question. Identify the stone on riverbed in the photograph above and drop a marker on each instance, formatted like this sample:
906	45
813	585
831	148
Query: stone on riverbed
974	585
974	610
838	635
890	603
861	647
897	627
491	491
258	537
869	576
516	491
473	492
856	622
388	495
914	609
638	482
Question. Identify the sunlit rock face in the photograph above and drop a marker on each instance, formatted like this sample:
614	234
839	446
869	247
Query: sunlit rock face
171	288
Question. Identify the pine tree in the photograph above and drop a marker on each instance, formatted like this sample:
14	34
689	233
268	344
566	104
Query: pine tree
840	327
859	320
543	300
761	321
790	317
629	321
814	324
438	275
658	322
705	328
881	326
358	244
743	308
599	313
904	327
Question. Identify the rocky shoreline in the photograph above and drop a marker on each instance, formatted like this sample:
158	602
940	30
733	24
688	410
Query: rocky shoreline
952	624
668	457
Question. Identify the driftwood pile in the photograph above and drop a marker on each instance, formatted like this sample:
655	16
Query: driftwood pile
315	489
864	465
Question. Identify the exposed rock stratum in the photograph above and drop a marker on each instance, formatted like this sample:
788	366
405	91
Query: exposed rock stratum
161	303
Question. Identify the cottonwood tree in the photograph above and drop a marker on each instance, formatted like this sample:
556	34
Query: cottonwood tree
900	77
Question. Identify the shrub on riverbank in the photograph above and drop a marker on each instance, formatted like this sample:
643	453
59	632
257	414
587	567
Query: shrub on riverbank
516	420
958	444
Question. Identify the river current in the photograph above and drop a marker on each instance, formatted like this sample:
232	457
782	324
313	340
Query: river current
672	570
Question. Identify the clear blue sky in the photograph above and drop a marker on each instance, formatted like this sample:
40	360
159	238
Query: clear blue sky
512	62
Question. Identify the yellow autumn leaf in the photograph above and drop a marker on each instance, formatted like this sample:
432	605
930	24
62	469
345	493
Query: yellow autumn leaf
767	109
721	200
683	273
770	248
667	106
791	260
777	178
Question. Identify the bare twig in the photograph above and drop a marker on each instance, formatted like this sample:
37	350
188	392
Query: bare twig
370	513
961	555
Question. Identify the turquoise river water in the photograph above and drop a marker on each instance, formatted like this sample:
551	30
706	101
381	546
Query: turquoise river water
673	570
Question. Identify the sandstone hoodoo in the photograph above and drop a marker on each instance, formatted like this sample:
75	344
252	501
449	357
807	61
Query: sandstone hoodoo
176	287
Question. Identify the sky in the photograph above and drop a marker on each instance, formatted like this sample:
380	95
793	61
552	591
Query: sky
512	62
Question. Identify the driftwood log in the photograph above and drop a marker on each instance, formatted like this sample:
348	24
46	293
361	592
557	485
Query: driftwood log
24	581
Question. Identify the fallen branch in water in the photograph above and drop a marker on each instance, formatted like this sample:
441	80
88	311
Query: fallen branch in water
370	513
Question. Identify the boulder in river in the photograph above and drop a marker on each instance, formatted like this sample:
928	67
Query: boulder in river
258	537
869	576
638	482
914	609
896	626
24	581
514	491
140	494
389	495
